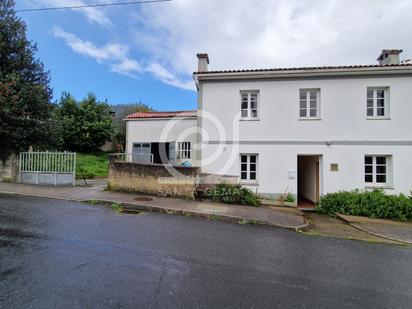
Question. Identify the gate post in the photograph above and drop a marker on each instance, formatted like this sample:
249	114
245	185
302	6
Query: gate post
15	168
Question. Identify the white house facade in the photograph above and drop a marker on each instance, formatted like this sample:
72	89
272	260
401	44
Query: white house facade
161	137
310	131
304	131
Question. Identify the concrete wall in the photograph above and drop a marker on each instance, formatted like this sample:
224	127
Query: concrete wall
9	169
277	166
152	179
342	110
162	130
342	135
5	170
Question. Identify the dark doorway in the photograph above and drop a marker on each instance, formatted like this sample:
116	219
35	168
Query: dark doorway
160	152
308	180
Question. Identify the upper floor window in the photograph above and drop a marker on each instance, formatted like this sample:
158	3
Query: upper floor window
309	105
248	167
249	104
183	150
377	102
377	170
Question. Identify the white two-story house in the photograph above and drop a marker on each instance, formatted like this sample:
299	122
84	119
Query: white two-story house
309	131
305	131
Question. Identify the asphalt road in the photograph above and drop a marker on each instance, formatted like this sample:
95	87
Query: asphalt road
58	254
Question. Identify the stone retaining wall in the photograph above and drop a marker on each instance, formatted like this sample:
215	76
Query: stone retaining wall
153	179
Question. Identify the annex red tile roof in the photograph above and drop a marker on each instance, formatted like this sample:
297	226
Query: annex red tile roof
143	115
307	68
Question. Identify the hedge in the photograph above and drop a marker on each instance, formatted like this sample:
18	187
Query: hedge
374	204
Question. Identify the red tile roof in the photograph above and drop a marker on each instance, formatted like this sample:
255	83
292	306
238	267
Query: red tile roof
142	115
308	68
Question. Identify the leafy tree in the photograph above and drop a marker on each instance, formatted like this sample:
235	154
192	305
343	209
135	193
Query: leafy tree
25	108
85	125
121	111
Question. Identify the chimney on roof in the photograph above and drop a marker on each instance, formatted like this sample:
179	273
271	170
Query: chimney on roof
389	56
202	62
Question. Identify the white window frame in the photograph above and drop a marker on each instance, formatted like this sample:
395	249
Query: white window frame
307	101
184	150
374	99
248	110
375	173
248	170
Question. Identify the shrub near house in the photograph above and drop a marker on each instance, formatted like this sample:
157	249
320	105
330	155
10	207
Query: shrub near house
232	194
375	204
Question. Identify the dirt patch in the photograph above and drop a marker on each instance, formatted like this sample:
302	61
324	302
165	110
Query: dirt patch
324	225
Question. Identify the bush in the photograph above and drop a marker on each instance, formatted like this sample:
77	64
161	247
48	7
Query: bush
290	198
232	194
374	204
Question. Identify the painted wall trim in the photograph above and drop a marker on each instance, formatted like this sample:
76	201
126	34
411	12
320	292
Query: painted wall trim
333	142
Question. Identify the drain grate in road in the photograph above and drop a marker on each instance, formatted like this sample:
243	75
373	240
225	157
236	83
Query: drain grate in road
143	199
131	211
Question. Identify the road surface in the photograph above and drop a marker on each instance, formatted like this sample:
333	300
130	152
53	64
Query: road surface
59	254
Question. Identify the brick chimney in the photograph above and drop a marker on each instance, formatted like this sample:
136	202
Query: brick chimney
389	56
202	62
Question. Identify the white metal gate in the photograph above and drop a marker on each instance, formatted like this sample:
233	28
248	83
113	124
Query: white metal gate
48	168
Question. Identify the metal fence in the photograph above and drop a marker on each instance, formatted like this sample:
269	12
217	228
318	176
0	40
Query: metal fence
141	158
48	168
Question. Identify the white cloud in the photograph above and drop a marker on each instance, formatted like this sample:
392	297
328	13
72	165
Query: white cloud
268	33
165	76
117	57
114	54
248	34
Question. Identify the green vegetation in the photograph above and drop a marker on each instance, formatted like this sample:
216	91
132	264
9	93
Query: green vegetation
232	194
214	217
91	202
290	198
92	165
117	207
25	93
374	204
83	125
121	111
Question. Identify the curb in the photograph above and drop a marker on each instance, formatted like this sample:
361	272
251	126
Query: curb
219	217
151	208
372	233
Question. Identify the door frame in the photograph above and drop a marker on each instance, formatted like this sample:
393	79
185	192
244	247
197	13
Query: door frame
318	174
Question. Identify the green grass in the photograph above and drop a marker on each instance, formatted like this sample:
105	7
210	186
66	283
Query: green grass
92	165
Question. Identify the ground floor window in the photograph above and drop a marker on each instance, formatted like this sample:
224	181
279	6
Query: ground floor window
183	150
248	167
377	169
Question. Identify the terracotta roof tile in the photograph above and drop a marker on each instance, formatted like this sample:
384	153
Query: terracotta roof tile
307	68
142	115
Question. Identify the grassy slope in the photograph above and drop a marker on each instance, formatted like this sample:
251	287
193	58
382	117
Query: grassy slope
92	165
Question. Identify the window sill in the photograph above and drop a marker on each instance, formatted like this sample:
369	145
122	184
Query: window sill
378	186
249	183
249	119
309	118
378	118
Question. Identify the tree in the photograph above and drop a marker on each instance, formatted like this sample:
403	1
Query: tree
85	125
121	111
25	108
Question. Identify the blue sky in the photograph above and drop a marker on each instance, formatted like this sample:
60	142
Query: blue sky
147	52
80	74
